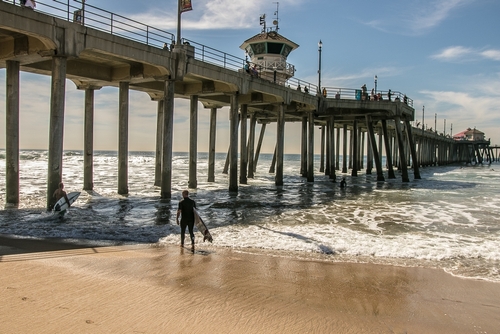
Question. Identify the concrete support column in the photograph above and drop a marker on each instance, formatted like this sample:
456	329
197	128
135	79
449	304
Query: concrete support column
369	156
159	139
416	168
344	151
123	115
378	162
310	148
233	146
322	152
167	139
328	148
303	148
280	145
12	134
331	129
388	156
337	149
380	144
259	145
251	146
243	144
354	148
361	149
56	129
402	156
88	141
193	142
211	150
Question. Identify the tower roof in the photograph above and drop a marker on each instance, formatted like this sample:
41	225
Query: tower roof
271	36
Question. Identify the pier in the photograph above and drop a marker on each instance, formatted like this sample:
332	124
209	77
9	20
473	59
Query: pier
105	49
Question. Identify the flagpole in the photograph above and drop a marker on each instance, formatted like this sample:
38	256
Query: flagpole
178	23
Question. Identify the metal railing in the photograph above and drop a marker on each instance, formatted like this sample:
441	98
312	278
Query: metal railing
357	94
103	20
118	25
215	57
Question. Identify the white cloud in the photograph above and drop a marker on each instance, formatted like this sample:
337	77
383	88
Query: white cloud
461	53
417	17
477	107
215	14
436	12
453	53
491	54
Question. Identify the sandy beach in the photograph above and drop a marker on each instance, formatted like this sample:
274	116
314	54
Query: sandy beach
54	287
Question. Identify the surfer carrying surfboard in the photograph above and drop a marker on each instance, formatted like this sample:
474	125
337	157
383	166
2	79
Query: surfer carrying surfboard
185	210
60	193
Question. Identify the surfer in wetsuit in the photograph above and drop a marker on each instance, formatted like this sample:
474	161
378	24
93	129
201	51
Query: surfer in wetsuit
60	193
185	210
342	183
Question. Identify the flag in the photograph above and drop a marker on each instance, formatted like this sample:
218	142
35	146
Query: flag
186	6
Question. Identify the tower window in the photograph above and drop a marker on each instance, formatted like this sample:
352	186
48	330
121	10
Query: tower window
274	48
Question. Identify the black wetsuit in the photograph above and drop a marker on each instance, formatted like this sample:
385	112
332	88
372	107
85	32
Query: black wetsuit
187	218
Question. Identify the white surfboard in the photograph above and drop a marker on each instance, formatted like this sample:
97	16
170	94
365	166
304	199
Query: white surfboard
200	225
62	205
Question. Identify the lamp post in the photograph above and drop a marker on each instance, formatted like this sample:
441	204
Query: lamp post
320	45
83	12
376	84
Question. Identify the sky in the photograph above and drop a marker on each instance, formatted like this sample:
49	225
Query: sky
443	54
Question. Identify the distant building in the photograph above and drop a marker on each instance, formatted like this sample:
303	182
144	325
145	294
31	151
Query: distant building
469	134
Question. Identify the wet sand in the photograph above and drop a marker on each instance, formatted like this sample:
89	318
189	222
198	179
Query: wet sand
167	289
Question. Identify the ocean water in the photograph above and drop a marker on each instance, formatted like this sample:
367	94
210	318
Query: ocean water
449	219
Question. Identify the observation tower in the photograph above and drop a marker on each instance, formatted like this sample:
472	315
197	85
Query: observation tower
269	50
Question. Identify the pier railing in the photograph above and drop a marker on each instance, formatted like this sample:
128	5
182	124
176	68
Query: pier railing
80	12
357	94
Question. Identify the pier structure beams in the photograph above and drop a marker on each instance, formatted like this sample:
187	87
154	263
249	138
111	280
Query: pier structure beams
259	145
251	146
331	146
390	168
310	148
211	149
12	134
354	148
233	146
159	139
167	139
413	150
328	149
123	116
243	144
56	127
337	150
373	145
88	139
280	145
402	156
344	147
303	147
369	155
322	150
193	141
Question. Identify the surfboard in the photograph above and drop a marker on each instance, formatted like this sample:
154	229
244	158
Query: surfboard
200	225
62	205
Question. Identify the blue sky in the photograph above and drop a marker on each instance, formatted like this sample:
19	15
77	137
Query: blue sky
443	54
